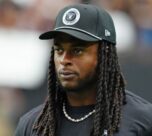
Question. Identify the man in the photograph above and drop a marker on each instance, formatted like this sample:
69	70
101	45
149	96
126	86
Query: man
86	89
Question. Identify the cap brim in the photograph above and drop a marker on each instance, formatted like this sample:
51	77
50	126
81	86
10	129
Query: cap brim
74	33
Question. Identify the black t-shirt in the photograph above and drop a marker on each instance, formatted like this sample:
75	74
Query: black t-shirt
136	120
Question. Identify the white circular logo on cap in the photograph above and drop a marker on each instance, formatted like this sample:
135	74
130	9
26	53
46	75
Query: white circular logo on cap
71	16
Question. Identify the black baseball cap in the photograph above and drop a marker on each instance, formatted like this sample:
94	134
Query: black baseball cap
85	22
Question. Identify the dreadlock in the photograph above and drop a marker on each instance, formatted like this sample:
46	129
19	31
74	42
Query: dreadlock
109	100
46	122
110	91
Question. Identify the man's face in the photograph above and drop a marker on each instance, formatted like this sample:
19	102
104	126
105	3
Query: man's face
75	62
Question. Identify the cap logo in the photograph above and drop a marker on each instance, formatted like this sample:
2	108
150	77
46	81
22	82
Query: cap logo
107	33
71	16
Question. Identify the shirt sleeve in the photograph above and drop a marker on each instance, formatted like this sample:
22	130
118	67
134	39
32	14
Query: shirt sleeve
20	129
24	127
147	122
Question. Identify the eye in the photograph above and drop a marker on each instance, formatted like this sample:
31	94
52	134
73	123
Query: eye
78	51
58	50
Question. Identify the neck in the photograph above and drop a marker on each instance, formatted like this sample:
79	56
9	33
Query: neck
82	98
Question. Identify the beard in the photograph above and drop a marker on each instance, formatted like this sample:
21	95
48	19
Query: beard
83	85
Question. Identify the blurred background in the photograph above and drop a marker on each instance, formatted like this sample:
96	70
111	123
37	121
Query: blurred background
24	58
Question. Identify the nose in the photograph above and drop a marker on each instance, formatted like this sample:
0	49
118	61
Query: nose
66	59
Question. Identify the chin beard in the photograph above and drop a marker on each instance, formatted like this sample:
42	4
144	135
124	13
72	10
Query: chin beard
83	85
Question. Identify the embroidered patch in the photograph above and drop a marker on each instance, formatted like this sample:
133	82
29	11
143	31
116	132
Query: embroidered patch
71	16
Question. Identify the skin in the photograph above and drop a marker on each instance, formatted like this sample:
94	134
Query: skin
75	65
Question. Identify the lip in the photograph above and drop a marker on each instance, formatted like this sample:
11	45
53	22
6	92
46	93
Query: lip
67	74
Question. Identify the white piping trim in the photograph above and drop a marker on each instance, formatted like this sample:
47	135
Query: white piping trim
78	30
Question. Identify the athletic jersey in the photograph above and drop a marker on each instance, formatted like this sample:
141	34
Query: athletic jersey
136	120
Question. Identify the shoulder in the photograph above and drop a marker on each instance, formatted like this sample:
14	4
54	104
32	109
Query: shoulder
136	103
26	122
137	113
32	113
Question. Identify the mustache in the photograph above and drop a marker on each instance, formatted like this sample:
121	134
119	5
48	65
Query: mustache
66	71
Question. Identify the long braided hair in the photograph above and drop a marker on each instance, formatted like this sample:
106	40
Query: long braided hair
109	100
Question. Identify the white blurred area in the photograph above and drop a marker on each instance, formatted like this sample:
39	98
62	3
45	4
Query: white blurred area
125	31
23	58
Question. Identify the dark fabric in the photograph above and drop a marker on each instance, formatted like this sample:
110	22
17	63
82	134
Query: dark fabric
68	128
136	120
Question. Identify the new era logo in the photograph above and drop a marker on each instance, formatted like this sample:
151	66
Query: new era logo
107	33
